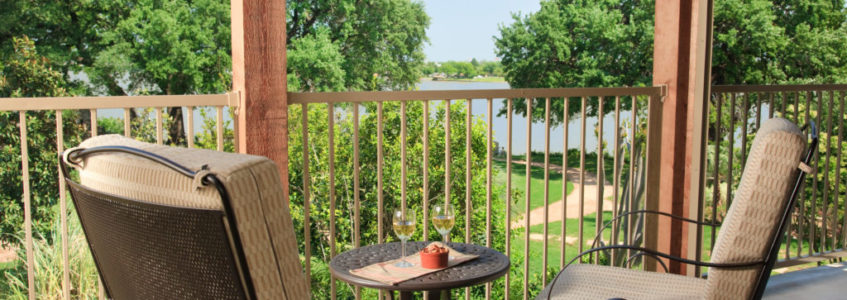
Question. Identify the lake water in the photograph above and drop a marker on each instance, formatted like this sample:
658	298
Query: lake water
479	108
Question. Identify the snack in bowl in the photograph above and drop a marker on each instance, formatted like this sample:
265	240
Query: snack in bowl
434	257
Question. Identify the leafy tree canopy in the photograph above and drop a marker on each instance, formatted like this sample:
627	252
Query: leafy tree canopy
577	43
381	41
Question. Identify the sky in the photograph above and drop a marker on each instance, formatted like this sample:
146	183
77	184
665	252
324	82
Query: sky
464	29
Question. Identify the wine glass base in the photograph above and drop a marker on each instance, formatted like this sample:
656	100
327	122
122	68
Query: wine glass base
403	264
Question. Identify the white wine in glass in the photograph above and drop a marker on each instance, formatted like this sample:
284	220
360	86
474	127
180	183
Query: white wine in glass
443	219
404	227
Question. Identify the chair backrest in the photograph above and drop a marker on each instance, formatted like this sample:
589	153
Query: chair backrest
253	221
752	222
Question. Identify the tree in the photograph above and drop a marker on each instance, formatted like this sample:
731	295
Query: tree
27	74
578	43
383	37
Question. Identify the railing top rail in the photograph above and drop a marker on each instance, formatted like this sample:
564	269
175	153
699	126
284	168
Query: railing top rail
60	103
777	88
338	97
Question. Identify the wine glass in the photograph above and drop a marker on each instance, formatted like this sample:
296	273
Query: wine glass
443	218
404	227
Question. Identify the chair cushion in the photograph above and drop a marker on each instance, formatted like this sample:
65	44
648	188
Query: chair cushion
585	281
254	185
754	215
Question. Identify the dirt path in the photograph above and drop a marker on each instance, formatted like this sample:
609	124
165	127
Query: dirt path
591	188
7	254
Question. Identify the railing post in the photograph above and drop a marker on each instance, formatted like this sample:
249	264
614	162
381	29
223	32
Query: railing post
679	61
258	73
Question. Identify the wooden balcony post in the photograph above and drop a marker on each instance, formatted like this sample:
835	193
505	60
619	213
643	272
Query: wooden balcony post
258	74
681	61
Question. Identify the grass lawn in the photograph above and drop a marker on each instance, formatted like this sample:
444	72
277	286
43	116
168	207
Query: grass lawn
536	198
573	161
536	248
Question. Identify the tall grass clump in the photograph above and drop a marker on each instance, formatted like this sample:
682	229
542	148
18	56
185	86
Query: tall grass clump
49	266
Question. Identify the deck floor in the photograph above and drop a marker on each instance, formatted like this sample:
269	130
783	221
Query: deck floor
824	282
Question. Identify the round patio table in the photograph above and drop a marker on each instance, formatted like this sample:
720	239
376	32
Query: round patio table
489	266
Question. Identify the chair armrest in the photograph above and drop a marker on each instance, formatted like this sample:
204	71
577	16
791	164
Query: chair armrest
645	211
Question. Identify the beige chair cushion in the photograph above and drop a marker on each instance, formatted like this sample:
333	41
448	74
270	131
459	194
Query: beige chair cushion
749	225
253	182
603	282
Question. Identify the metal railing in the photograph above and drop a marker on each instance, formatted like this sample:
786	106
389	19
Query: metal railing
818	228
644	113
91	104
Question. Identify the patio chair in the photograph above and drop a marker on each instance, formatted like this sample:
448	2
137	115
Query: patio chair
178	223
745	250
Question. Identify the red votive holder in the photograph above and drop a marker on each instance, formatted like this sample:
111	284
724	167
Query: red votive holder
434	257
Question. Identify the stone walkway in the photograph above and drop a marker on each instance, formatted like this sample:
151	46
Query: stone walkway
536	216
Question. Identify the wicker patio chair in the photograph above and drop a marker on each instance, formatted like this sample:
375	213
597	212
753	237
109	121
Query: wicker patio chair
178	223
745	250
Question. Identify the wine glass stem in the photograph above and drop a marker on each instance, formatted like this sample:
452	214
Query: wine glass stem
404	249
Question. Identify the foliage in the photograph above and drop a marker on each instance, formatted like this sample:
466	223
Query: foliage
315	63
384	37
463	69
345	206
27	74
49	265
578	43
130	47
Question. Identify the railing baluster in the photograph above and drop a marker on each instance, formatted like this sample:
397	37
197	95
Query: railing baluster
356	205
219	127
331	144
190	125
758	110
838	172
93	122
127	123
468	177
508	224
826	180
731	153
447	159
468	173
488	193
771	106
582	177
527	192
630	206
715	172
616	175
598	217
802	197
307	222
63	208
813	210
546	189
565	128
425	183
744	120
379	173
30	258
159	137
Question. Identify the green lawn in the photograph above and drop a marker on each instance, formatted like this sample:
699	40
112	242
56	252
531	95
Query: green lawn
536	185
573	161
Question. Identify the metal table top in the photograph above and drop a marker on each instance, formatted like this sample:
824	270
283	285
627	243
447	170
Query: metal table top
490	265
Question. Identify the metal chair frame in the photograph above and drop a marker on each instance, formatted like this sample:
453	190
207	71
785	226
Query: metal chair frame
230	226
765	264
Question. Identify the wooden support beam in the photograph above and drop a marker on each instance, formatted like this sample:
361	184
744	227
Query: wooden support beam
258	74
679	62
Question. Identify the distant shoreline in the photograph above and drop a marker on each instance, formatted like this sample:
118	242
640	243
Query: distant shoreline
482	79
